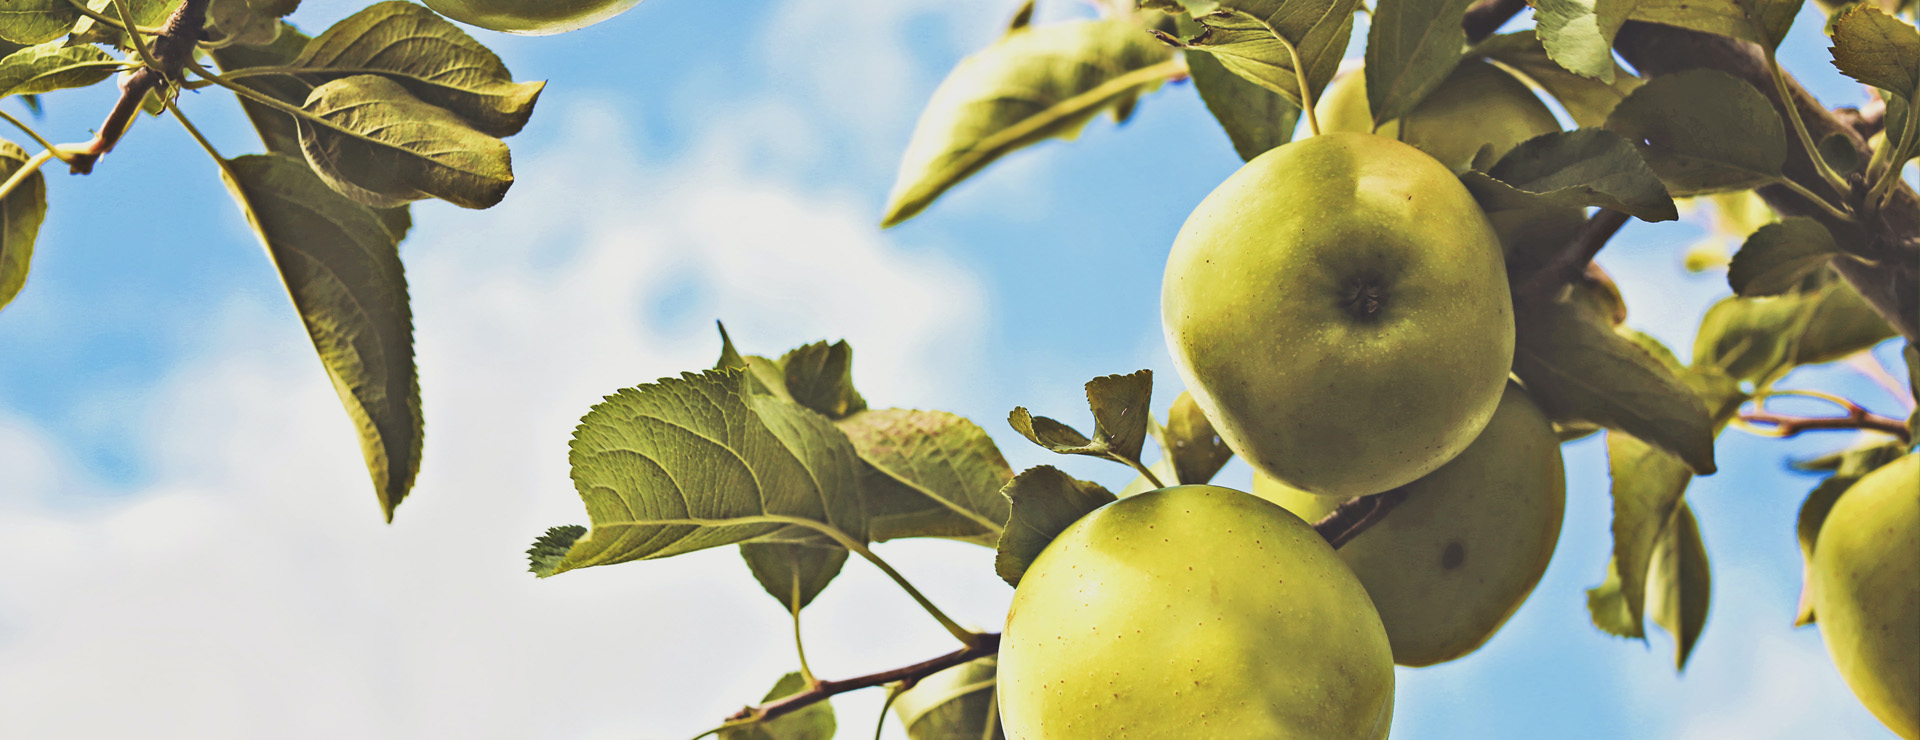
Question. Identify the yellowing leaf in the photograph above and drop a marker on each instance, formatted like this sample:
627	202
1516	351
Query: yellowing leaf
383	147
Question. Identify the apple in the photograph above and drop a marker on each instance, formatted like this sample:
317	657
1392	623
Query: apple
1193	612
531	17
1864	584
1339	310
1478	105
1458	556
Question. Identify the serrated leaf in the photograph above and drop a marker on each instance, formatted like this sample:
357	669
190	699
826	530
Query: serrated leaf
1760	339
21	214
277	130
1120	419
1033	84
1247	37
819	376
1680	584
945	475
1044	502
341	266
550	548
793	574
955	704
1779	256
1577	367
29	22
697	461
1412	45
1589	101
1648	487
1588	167
812	722
1578	34
1256	119
435	60
1704	131
384	148
238	22
1190	442
1877	49
1607	606
763	375
146	13
54	66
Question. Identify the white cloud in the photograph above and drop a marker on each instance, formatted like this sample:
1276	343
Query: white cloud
252	592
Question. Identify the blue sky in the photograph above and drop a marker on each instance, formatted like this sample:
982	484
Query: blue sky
204	558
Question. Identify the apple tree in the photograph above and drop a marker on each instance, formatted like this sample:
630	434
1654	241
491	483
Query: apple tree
1391	313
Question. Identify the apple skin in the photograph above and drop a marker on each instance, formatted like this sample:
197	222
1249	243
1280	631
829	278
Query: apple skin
531	17
1266	302
1453	561
1193	612
1865	589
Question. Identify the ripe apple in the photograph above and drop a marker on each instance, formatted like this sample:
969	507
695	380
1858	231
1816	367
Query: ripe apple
1193	612
1340	311
1456	558
1478	105
1864	584
531	17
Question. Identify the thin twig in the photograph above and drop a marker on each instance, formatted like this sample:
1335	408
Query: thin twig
170	51
1488	16
1573	260
1785	425
988	644
1357	515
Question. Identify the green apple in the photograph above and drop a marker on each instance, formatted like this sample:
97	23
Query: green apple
1864	585
1340	311
1479	105
1193	612
1456	558
531	17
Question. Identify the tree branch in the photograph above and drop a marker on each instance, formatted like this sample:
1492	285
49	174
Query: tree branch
1857	418
1890	238
988	644
1488	16
1571	261
171	48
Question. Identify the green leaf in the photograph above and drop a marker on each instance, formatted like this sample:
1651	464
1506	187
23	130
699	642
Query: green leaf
384	147
1045	501
1120	419
21	214
1589	101
954	704
1607	606
1704	131
1588	167
697	461
547	551
54	66
237	22
277	130
819	376
1779	256
1760	339
148	13
1256	119
1250	37
1877	49
1578	34
1412	45
1190	442
1577	367
943	475
341	267
1758	21
793	574
1035	83
812	722
432	58
29	22
1680	584
763	375
1648	487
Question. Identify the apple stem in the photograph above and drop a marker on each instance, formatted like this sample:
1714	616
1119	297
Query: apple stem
1572	260
1357	515
170	51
